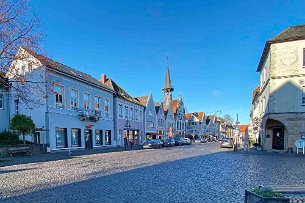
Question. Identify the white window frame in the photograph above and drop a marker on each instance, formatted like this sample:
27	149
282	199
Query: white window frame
97	103
107	106
74	100
86	103
58	104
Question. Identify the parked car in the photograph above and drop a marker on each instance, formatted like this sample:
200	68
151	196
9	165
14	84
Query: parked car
187	141
197	141
168	143
152	144
179	141
158	143
226	142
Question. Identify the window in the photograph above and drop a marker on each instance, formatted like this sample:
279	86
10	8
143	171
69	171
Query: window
106	108
59	92
126	112
1	101
303	95
120	111
86	101
131	113
108	137
98	137
17	106
136	114
97	103
74	99
140	115
61	137
76	140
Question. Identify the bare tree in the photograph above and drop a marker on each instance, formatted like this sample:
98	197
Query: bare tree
228	119
19	28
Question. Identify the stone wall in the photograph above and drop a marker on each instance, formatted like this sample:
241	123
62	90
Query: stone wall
36	149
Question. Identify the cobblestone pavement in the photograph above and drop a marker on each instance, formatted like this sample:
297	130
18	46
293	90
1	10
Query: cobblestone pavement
196	173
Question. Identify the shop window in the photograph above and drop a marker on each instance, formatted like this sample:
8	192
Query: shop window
61	137
76	137
108	137
98	137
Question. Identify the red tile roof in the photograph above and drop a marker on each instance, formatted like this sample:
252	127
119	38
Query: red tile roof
188	116
175	105
242	128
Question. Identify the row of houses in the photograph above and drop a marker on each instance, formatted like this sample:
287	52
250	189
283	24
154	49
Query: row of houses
71	109
278	102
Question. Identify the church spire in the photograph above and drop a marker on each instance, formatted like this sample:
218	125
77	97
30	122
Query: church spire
168	84
168	89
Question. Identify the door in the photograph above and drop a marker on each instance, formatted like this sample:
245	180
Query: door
88	139
278	138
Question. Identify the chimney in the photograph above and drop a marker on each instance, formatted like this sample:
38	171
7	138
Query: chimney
103	78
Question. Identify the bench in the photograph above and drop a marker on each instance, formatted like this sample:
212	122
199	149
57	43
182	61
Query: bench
15	150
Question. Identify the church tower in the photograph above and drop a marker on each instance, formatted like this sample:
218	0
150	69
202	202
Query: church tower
168	89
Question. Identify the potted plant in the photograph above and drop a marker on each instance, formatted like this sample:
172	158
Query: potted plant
264	195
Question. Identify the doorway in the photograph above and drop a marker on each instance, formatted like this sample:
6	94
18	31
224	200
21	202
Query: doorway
88	139
278	138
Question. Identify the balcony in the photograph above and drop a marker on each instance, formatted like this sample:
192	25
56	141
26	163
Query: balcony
89	114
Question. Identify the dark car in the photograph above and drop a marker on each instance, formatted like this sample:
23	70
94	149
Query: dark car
226	142
152	144
179	141
169	143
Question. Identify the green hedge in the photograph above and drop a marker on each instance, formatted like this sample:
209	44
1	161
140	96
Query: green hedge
9	138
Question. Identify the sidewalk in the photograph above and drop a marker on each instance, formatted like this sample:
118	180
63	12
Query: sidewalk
61	155
253	151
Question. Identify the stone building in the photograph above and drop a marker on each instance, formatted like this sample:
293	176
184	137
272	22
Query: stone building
128	115
174	110
150	117
281	101
73	109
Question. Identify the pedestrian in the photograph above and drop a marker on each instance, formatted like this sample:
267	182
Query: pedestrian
125	142
131	143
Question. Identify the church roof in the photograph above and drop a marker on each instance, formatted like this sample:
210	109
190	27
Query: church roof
175	104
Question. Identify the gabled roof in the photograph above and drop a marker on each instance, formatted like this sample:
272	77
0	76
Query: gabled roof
63	69
255	92
292	33
143	100
188	116
220	119
243	128
120	91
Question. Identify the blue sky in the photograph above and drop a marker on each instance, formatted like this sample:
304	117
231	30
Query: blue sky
213	46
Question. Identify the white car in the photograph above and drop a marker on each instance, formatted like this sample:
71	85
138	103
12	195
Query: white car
187	141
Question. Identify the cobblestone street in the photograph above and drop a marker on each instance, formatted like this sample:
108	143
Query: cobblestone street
196	173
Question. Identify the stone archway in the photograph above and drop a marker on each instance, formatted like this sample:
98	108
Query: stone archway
275	131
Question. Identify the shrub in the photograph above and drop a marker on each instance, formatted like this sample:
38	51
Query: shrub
266	192
9	138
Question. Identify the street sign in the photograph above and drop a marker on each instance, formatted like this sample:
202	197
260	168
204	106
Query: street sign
299	145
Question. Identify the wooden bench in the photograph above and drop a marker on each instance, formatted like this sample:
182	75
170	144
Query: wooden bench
15	150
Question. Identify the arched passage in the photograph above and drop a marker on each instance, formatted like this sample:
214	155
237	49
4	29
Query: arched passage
277	133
